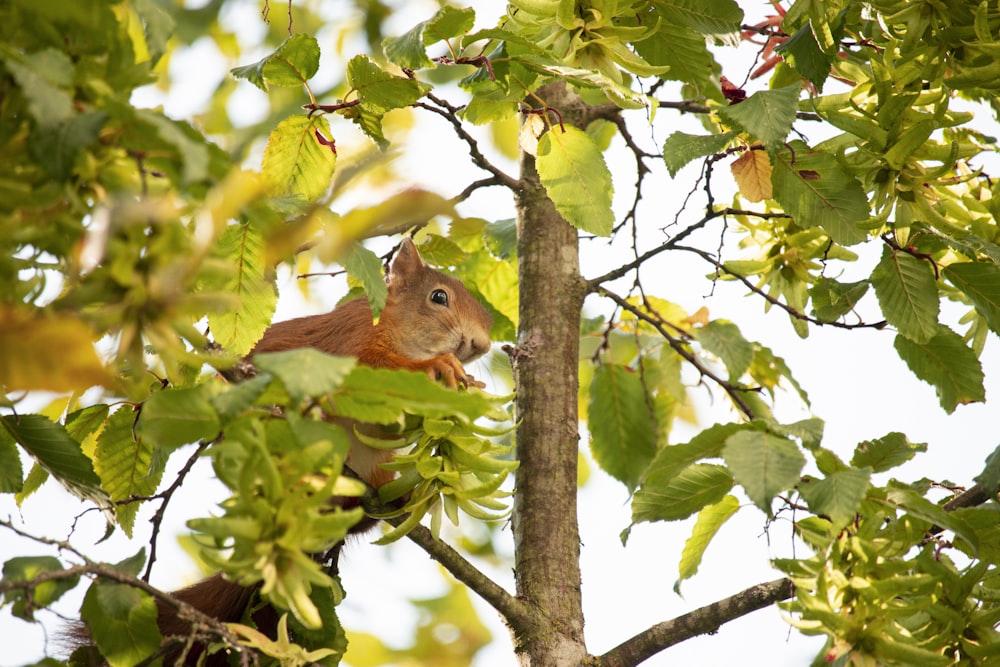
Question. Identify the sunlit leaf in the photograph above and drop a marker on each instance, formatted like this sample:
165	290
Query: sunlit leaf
295	162
291	64
126	466
752	172
710	520
767	115
577	179
908	295
409	50
695	487
379	90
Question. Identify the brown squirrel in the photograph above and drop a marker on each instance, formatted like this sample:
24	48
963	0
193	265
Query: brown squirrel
430	323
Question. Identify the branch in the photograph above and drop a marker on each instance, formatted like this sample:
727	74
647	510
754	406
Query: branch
705	620
449	113
200	622
734	391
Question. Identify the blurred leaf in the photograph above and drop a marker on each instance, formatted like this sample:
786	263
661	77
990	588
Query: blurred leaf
27	361
946	363
576	178
989	478
710	520
178	416
622	427
295	162
838	495
908	295
885	453
122	621
764	464
980	281
27	568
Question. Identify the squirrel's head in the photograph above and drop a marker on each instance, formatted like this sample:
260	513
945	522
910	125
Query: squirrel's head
435	314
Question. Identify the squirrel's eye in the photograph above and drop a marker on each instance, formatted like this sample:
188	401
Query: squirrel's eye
440	297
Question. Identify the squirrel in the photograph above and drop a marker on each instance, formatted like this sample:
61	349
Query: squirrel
430	323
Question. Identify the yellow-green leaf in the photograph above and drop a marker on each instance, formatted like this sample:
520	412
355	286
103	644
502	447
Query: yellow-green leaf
576	178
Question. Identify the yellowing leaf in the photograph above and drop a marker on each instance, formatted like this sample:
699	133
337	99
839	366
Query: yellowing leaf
531	129
296	161
752	172
54	353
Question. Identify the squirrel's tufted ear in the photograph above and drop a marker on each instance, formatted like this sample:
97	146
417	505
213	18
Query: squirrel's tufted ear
407	265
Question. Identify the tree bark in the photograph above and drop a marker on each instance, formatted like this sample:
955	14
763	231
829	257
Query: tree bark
546	534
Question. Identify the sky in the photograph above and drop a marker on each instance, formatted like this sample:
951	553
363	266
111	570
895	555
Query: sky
854	379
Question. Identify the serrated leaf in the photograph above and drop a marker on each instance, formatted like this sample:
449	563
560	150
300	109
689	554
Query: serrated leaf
295	162
767	115
57	452
908	295
238	329
409	50
724	340
495	280
622	428
26	359
710	520
817	191
366	267
802	52
831	300
126	466
764	464
718	19
305	373
695	487
837	496
946	363
380	91
576	178
670	460
27	568
885	453
680	148
178	416
11	472
122	621
752	173
293	63
980	281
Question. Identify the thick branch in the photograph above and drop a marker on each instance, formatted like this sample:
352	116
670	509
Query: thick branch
701	621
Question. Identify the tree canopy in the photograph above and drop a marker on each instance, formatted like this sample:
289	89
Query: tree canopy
645	194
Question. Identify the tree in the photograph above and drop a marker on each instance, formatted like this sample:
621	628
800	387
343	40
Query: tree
140	259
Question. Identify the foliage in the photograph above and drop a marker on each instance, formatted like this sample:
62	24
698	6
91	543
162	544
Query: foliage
140	255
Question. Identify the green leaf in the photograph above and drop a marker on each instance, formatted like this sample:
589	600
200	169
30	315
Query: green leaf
122	621
178	416
11	472
980	281
366	267
670	460
695	487
946	363
802	52
27	568
818	192
685	52
767	115
45	79
718	19
380	91
708	523
886	453
80	424
764	464
838	495
409	50
57	452
57	148
495	280
724	340
573	171
622	427
295	162
305	373
291	64
126	466
680	148
238	328
831	300
907	294
989	478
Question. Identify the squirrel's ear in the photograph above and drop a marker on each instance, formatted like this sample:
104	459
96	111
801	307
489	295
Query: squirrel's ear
407	265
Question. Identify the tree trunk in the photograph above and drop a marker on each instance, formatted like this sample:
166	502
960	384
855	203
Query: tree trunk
546	534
